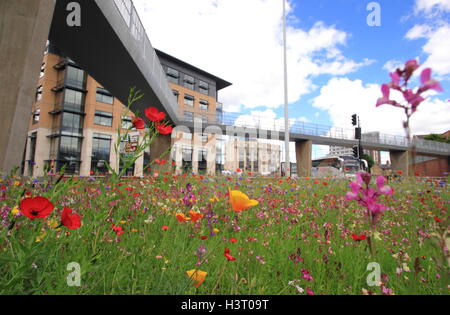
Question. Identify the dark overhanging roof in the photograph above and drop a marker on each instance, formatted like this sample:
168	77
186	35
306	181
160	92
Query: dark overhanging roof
221	83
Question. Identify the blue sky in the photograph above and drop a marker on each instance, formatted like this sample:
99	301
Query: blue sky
337	62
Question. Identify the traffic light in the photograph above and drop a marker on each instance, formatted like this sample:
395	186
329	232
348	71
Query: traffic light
355	151
358	133
354	120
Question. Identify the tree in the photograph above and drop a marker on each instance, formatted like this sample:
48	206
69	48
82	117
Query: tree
369	160
436	137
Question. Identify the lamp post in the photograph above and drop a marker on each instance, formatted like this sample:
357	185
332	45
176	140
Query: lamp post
286	111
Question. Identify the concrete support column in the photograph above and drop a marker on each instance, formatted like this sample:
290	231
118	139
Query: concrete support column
24	29
211	158
178	147
86	153
303	150
114	161
160	149
42	151
400	161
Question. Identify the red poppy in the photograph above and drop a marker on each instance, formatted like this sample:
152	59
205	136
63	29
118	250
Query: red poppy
138	123
165	227
399	172
203	238
325	183
160	162
38	207
164	130
359	237
91	173
69	220
238	170
227	255
233	240
118	230
154	115
437	219
3	188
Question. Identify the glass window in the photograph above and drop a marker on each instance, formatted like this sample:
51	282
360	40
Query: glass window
39	93
177	95
103	118
189	82
75	77
41	75
69	153
36	116
103	96
127	123
204	104
71	124
189	116
203	87
189	100
173	75
73	100
101	147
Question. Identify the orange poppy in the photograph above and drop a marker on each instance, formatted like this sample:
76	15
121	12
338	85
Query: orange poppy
197	275
240	201
195	216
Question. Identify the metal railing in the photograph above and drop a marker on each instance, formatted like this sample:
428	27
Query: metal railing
318	130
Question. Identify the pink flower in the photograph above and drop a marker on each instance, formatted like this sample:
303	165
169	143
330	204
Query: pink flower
428	83
309	291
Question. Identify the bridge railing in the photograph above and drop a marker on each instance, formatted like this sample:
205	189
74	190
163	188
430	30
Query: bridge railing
136	28
311	129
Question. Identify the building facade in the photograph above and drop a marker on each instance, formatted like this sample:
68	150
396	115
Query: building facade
74	123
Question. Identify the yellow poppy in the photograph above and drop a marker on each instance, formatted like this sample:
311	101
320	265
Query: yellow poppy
240	201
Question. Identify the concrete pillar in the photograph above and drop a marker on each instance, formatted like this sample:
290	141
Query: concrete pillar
303	150
160	149
211	158
24	29
400	161
86	153
42	151
114	161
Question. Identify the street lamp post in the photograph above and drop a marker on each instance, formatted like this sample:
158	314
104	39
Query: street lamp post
286	111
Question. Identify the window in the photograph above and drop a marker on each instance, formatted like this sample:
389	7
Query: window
173	75
103	96
101	146
41	75
177	95
127	123
71	124
74	100
36	116
103	118
39	93
188	116
203	87
189	100
70	148
204	105
204	137
187	136
189	82
75	77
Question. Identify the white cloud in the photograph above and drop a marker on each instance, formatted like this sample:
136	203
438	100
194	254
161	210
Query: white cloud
342	97
392	65
418	31
241	41
428	6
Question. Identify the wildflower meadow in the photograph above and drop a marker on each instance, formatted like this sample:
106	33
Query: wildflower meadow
189	234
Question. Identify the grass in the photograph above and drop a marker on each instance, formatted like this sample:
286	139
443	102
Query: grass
298	225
